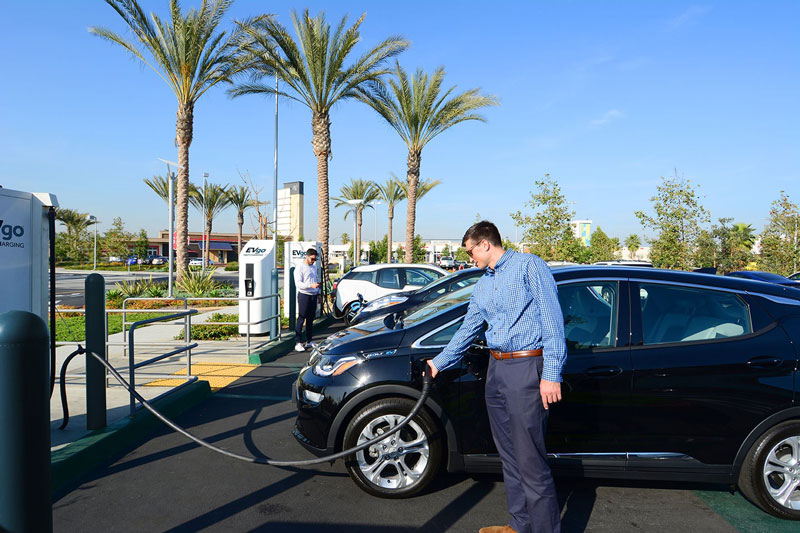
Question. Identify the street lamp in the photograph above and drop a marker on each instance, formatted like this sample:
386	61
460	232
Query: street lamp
94	221
205	221
355	203
171	209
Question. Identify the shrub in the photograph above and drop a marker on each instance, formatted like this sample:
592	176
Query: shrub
196	283
215	332
233	266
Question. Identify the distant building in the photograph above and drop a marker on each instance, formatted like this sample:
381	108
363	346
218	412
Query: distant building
582	229
290	210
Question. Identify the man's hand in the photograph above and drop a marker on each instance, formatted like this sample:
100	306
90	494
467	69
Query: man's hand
550	392
315	285
432	369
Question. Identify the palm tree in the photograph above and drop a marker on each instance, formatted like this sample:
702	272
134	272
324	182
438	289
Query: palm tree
417	111
742	236
160	186
209	202
313	67
358	189
239	197
191	57
74	221
391	193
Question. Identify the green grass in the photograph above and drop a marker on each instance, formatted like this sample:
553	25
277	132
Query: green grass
73	328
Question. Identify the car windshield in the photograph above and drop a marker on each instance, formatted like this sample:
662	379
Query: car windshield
436	306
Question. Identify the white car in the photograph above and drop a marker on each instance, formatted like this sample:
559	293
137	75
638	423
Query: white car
374	281
198	262
447	261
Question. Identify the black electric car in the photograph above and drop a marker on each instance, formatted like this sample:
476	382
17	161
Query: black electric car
402	301
670	376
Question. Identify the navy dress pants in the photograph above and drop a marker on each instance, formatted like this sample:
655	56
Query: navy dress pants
306	311
519	422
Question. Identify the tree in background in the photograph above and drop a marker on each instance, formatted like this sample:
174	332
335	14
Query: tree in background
418	112
392	193
357	189
446	250
462	255
239	197
191	57
399	252
734	245
74	245
705	250
632	243
377	251
314	69
601	246
115	240
140	245
779	240
548	231
345	238
210	202
677	217
419	253
507	244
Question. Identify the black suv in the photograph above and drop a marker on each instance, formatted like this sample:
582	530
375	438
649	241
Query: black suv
670	376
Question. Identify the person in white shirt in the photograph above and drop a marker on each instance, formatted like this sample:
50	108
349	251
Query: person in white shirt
305	279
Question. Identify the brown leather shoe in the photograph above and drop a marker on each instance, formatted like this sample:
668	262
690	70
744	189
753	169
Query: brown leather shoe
497	529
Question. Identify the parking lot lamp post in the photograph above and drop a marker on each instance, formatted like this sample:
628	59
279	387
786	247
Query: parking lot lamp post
171	208
205	222
355	203
94	221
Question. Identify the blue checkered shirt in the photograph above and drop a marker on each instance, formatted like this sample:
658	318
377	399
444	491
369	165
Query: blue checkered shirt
519	302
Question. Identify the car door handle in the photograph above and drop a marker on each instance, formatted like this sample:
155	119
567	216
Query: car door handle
764	361
603	371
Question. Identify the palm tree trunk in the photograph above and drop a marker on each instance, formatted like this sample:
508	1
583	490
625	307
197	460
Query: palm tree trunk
412	177
239	236
389	252
321	142
183	138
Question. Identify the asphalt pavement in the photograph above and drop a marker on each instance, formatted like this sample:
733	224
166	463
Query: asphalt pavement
70	283
168	483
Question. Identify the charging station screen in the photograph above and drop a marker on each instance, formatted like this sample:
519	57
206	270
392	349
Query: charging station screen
15	253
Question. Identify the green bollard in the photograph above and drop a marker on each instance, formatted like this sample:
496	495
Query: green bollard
24	423
95	287
292	299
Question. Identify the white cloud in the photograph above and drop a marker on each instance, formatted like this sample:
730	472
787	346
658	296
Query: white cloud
690	16
607	117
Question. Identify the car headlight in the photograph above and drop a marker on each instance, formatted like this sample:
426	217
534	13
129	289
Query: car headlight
386	301
328	366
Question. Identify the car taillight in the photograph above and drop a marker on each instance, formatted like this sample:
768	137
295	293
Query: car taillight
335	283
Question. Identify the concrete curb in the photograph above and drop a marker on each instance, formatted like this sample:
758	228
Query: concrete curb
72	462
279	348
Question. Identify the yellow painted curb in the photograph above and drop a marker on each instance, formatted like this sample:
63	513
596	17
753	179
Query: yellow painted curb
218	375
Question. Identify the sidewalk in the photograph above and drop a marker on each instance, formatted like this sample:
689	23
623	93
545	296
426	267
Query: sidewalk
219	362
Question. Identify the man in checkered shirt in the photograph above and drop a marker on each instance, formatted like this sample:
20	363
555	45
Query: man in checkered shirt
517	298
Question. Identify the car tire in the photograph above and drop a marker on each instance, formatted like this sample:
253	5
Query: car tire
388	469
350	312
770	475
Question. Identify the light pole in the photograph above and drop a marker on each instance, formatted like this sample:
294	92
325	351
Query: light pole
373	203
355	203
171	209
94	221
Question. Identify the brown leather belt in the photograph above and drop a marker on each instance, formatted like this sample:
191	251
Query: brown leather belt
516	355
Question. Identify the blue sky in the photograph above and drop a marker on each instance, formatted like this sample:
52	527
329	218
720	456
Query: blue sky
606	97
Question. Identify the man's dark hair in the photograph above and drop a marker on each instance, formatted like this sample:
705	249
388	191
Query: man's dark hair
312	251
483	230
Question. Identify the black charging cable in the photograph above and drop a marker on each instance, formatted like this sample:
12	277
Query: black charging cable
426	387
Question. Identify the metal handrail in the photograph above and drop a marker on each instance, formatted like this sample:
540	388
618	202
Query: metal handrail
132	367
